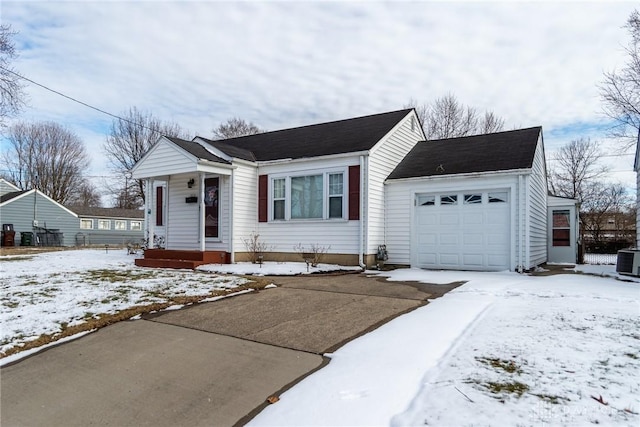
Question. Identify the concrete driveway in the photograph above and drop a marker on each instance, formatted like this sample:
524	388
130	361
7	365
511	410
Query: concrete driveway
212	364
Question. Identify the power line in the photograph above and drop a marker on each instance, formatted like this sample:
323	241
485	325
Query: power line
75	100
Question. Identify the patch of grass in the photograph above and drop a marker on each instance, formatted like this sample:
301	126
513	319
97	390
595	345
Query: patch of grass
632	355
554	400
16	258
508	366
93	322
112	276
514	387
11	304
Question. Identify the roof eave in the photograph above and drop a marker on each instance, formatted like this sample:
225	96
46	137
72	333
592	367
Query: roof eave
306	159
515	172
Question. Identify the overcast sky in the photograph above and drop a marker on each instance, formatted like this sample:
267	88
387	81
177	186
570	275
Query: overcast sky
285	64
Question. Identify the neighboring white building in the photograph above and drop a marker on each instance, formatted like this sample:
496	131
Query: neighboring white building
354	185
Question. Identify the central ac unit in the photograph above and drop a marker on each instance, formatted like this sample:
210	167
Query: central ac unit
628	262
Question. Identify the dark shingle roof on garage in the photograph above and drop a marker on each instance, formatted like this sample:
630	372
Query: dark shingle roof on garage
480	153
338	137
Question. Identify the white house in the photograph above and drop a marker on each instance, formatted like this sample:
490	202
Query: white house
353	185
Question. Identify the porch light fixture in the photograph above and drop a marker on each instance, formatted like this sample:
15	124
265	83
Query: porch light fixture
190	183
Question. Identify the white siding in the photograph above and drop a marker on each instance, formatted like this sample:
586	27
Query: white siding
384	158
341	235
537	210
183	218
7	187
245	204
164	159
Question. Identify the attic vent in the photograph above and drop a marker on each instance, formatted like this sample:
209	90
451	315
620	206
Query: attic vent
440	168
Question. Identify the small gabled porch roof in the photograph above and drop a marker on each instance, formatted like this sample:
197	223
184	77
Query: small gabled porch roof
174	156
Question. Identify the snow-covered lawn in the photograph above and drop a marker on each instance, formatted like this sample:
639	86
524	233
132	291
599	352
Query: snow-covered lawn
49	292
502	349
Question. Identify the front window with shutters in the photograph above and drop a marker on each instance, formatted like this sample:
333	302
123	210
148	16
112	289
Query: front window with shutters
304	197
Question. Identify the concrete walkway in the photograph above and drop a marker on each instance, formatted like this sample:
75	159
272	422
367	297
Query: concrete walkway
210	364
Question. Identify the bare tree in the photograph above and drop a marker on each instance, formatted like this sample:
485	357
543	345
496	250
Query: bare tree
620	90
577	170
129	139
235	127
446	117
48	157
609	201
12	95
87	195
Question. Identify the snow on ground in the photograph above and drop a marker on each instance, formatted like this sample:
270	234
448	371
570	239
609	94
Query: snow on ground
502	349
273	268
47	292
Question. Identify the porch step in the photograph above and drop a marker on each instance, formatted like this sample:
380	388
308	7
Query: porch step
167	258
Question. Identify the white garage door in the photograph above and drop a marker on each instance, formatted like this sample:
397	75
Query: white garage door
463	230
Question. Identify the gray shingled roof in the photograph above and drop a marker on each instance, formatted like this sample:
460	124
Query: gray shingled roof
196	149
480	153
338	137
106	212
12	195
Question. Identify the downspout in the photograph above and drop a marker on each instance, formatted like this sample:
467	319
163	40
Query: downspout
362	211
527	221
202	212
520	225
231	193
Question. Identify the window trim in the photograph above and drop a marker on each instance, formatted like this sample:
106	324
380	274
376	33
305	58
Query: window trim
101	222
122	222
137	227
325	173
82	220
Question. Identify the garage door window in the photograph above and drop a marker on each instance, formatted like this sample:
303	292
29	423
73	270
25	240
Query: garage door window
472	199
426	200
449	200
561	228
498	197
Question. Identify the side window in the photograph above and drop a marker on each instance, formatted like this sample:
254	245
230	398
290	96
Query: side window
279	197
561	228
86	224
336	194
